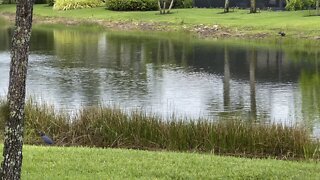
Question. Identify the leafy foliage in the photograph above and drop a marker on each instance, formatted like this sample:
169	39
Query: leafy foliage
51	2
132	5
293	5
7	1
76	4
14	1
183	3
40	1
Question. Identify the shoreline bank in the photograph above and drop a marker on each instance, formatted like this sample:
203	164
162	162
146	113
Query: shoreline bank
119	21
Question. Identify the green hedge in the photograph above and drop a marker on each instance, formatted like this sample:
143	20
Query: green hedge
40	1
183	3
14	1
7	1
132	5
76	4
293	5
51	2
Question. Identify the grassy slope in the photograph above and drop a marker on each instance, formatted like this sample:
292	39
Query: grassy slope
94	163
265	21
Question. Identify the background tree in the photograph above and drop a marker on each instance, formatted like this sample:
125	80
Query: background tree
317	7
162	6
13	139
253	8
226	6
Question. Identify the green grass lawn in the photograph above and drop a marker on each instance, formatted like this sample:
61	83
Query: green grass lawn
93	163
265	21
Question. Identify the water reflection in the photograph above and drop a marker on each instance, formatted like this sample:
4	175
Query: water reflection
226	81
71	68
252	72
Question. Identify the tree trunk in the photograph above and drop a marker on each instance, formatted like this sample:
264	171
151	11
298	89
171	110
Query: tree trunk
13	139
253	8
226	6
159	5
163	8
317	7
171	4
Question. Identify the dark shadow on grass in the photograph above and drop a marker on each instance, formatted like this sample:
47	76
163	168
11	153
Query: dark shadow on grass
225	12
311	15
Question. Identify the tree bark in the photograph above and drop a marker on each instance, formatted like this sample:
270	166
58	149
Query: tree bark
13	139
317	7
159	4
163	8
171	4
253	8
226	6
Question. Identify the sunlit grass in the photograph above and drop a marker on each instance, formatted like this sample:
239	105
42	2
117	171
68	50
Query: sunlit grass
95	163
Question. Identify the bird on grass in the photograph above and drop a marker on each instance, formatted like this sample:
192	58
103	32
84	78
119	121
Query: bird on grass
282	33
45	138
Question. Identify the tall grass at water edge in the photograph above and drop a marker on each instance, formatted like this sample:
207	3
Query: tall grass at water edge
112	127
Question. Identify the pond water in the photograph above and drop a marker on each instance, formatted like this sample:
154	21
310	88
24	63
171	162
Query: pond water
166	74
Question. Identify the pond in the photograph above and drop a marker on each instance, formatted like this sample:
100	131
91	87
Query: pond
170	73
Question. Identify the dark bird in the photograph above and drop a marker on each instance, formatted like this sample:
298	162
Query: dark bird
282	33
46	139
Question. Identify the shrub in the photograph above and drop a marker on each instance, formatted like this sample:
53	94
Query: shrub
183	4
40	1
7	1
14	1
51	2
132	5
76	4
293	5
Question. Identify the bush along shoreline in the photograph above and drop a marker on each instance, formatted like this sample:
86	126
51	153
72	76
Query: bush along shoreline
112	127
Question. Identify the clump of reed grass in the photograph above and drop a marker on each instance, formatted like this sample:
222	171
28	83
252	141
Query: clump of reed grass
112	127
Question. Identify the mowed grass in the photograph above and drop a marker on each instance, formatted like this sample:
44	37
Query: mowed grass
95	163
264	21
